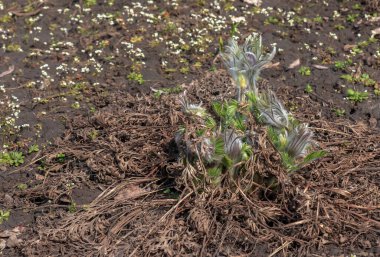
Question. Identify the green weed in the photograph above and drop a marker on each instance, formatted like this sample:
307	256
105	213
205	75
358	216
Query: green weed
13	158
304	71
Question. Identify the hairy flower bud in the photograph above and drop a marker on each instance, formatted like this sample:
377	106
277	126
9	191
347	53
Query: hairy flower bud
272	111
232	144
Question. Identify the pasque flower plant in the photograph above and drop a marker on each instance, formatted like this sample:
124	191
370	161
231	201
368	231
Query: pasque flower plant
225	147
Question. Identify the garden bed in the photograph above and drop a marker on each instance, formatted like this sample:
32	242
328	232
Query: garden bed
100	173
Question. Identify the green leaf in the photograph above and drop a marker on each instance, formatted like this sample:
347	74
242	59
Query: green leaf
230	112
239	123
61	157
274	136
218	109
210	123
251	97
214	172
246	152
227	162
219	147
288	161
200	132
12	158
4	215
313	156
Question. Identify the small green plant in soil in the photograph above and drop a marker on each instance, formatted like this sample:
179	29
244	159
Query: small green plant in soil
72	207
348	77
342	65
93	134
13	158
331	50
184	70
75	105
339	27
366	80
272	20
170	27
339	112
60	157
13	48
357	6
5	18
339	65
309	89
356	50
197	65
356	96
22	186
136	77
304	71
351	18
4	216
33	148
318	19
89	3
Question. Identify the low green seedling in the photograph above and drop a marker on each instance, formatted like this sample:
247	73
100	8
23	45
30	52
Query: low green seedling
351	18
89	3
356	96
72	207
339	27
136	77
342	65
13	158
339	112
272	20
4	216
22	186
318	19
309	89
348	77
304	71
33	149
61	157
366	80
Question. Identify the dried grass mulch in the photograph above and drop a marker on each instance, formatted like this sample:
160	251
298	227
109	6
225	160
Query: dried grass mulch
331	206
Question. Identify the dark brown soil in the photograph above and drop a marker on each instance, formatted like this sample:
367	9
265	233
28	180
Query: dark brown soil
117	189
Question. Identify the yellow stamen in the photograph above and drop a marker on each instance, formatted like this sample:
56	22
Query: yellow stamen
242	81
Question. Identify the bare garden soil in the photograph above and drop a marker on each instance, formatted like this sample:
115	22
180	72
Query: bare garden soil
106	179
